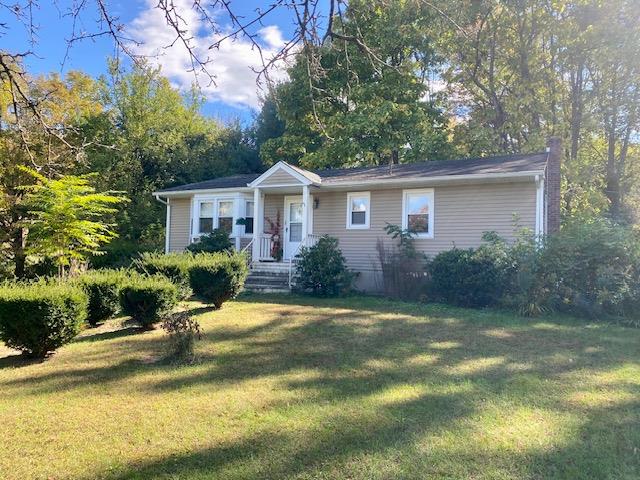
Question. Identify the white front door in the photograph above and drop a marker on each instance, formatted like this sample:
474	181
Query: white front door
293	211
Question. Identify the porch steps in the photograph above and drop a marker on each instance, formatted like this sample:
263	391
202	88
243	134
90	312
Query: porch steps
268	278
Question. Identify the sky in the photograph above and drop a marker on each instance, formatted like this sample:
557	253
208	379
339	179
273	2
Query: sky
235	94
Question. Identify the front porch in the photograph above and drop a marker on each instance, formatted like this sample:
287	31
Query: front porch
283	215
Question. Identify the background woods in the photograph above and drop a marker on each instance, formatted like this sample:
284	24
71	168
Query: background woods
383	81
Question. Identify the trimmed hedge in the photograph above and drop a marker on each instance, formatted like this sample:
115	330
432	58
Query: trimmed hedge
148	299
174	266
38	318
103	291
217	277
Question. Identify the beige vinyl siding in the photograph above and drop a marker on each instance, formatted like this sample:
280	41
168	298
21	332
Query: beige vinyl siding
462	214
180	224
280	177
272	205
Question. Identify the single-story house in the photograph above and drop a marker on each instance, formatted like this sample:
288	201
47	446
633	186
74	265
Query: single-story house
447	203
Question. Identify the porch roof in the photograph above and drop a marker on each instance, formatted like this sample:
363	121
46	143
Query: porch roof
504	165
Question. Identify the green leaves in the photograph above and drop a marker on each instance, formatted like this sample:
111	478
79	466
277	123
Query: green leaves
67	218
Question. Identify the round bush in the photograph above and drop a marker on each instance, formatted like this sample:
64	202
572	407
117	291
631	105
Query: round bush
469	278
148	299
174	266
217	277
322	270
38	318
216	241
103	290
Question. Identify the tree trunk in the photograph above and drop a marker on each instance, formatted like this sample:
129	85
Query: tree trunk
613	178
19	257
577	103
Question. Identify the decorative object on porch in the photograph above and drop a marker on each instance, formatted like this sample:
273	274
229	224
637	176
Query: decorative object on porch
276	240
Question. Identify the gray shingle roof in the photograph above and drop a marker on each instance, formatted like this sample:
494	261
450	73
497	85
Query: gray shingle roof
467	166
505	164
234	181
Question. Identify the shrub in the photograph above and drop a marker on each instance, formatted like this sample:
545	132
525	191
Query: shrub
469	278
148	299
183	331
38	318
403	267
216	241
174	266
103	291
590	269
217	277
322	269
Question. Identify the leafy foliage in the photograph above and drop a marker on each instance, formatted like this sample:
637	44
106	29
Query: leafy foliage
353	109
218	277
469	278
183	331
216	241
103	292
67	223
590	269
38	318
322	270
403	267
174	266
148	299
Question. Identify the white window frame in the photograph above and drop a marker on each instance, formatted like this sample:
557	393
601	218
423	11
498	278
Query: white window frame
216	223
429	193
367	216
244	215
196	227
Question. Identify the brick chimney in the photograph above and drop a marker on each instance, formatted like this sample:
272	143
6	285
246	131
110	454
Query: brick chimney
552	184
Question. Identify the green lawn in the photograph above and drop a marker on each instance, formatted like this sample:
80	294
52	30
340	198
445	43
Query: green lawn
358	388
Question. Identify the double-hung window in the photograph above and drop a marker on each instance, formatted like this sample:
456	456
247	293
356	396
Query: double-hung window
205	221
358	210
417	212
248	218
225	215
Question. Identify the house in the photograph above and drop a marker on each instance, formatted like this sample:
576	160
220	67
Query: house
447	203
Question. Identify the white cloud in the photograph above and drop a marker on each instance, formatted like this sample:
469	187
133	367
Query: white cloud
232	64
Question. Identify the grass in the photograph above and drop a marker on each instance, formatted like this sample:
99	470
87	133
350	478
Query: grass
357	388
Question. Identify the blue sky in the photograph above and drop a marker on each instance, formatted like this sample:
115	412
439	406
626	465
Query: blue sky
233	96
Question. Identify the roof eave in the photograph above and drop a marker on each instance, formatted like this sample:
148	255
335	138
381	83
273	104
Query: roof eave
176	193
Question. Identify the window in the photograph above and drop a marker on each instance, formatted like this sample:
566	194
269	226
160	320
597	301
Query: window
225	215
417	212
248	218
358	210
205	224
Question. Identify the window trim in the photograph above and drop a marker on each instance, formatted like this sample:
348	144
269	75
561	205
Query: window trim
367	216
199	216
244	227
429	193
216	223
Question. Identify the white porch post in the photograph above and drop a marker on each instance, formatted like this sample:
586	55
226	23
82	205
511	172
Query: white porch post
305	211
257	224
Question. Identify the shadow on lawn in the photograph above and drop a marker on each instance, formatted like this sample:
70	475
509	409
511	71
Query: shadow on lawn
439	369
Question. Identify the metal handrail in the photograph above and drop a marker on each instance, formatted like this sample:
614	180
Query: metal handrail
247	246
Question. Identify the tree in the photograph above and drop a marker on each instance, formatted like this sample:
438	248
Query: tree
64	104
67	219
364	105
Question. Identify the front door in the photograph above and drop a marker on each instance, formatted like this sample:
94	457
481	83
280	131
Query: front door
293	211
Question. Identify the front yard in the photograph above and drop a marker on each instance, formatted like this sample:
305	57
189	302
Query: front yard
289	387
